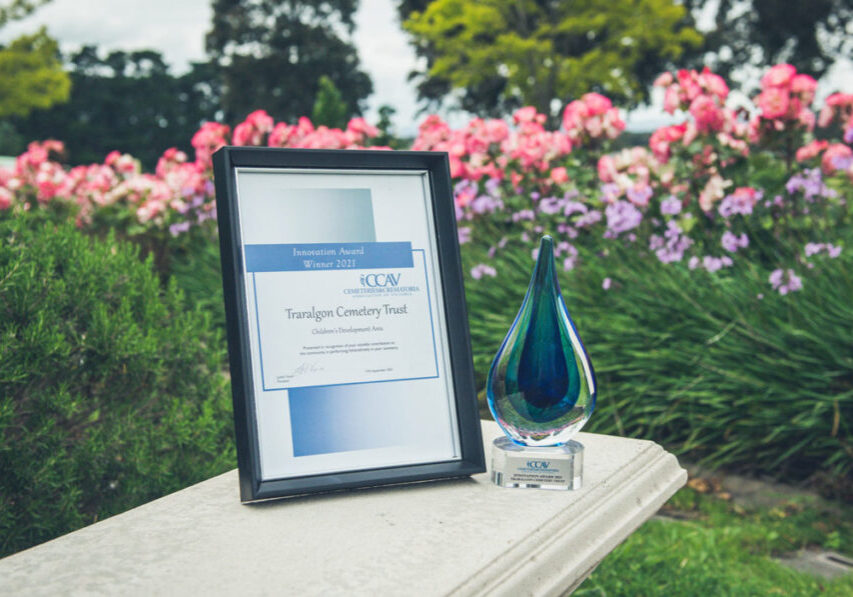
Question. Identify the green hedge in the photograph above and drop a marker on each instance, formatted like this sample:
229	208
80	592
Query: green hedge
112	392
698	361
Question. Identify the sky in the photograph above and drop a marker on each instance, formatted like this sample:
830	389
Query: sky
177	27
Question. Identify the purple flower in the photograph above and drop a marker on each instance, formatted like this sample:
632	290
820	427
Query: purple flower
464	191
493	186
693	263
610	192
776	278
588	219
622	216
810	182
670	206
478	271
551	205
524	214
732	243
180	227
848	136
486	204
816	248
739	203
605	284
785	281
639	195
713	264
464	235
571	255
843	162
672	245
574	207
567	229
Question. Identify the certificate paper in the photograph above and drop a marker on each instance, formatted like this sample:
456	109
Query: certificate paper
345	313
350	362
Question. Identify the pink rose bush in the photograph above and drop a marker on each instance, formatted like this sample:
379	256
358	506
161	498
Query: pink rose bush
491	149
785	99
177	197
590	118
688	197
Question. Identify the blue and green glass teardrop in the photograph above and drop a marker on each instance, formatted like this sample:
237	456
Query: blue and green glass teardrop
541	387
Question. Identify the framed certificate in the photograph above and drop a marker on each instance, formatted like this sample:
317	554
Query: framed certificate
347	329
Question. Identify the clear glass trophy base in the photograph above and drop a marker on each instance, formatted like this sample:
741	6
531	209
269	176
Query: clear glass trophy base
554	467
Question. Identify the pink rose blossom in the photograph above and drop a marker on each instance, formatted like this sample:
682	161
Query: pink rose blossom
811	150
779	75
773	102
805	86
663	80
708	115
559	175
833	154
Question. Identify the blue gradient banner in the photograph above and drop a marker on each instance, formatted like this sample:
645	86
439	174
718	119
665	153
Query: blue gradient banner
328	256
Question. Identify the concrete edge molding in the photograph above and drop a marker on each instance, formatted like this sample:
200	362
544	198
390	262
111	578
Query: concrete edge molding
462	537
546	562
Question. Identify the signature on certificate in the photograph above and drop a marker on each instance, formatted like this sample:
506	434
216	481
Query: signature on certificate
300	370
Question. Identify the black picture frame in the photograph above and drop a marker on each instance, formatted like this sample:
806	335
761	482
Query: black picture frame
253	487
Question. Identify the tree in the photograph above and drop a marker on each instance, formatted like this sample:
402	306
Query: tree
31	75
18	9
500	54
330	109
127	101
271	54
809	35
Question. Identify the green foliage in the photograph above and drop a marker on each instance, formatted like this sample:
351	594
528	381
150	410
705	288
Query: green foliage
197	272
502	55
330	109
386	137
698	361
18	9
271	54
10	141
810	35
112	392
31	75
723	549
125	101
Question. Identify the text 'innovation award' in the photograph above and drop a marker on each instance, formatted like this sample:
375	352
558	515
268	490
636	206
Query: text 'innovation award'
541	389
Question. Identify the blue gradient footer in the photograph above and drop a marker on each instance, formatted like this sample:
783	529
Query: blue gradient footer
328	419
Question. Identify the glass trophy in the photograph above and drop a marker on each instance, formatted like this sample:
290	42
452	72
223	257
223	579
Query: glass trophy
541	389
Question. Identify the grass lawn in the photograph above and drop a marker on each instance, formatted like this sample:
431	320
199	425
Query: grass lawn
716	547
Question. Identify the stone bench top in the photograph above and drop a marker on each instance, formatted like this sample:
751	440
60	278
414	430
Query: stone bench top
465	537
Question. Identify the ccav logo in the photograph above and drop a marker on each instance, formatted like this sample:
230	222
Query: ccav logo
379	280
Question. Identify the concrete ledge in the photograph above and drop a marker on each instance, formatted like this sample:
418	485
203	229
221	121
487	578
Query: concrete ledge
464	537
